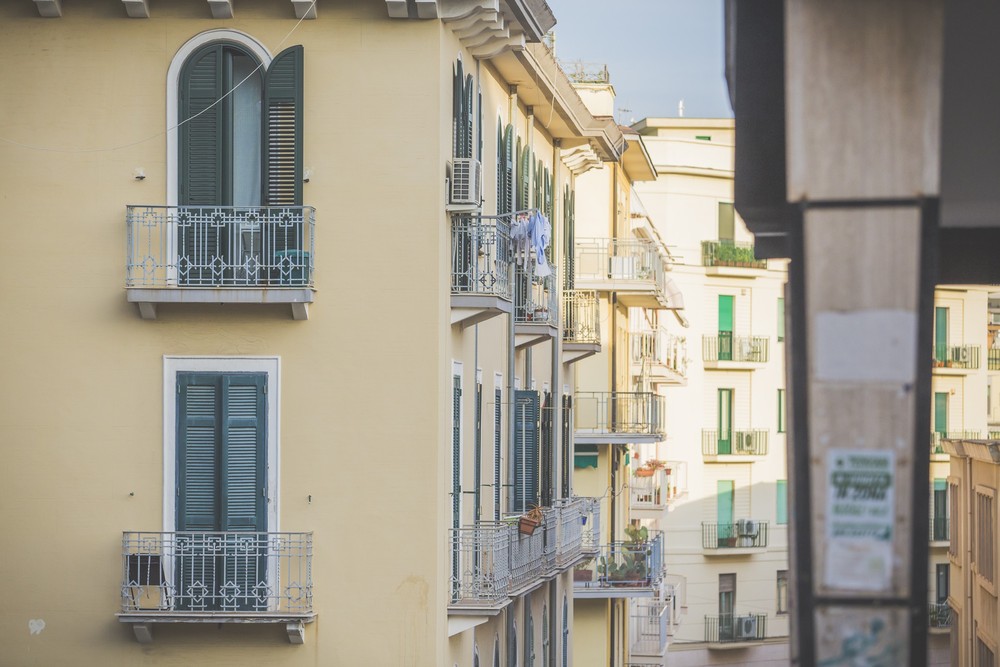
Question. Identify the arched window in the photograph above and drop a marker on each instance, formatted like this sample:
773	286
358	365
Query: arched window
546	639
529	641
240	127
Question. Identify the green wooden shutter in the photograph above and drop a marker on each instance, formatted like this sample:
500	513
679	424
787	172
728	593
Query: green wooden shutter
781	318
941	412
478	453
468	108
508	170
497	449
200	135
781	411
244	453
725	341
525	449
566	444
456	450
725	422
782	510
198	417
282	120
725	490
941	334
546	451
457	100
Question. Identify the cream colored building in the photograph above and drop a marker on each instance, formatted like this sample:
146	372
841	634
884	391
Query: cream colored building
626	606
288	375
727	523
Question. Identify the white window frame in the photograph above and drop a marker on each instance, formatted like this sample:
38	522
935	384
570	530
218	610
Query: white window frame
172	365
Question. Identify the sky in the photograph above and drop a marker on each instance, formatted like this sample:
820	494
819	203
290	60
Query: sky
658	52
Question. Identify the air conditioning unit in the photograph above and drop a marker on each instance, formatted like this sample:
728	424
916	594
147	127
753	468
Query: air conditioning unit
961	355
747	528
744	443
465	182
746	627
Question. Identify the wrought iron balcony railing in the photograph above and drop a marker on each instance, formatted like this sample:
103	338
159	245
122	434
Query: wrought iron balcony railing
220	246
744	534
736	443
956	356
581	317
194	573
730	253
939	615
625	565
619	413
660	348
631	260
938	436
649	627
490	560
481	255
735	628
726	347
993	359
536	300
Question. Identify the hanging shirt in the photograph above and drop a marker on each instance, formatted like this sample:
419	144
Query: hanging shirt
540	231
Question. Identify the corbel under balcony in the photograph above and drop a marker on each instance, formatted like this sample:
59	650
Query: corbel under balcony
527	335
573	352
50	9
471	309
137	9
148	299
221	9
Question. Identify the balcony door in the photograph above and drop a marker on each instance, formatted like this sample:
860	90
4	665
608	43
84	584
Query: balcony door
941	334
220	552
940	418
939	529
239	145
725	421
725	492
726	327
727	603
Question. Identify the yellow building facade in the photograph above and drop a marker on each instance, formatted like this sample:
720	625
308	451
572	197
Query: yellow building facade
296	366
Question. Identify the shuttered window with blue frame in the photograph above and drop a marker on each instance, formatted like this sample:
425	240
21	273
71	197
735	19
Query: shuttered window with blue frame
526	449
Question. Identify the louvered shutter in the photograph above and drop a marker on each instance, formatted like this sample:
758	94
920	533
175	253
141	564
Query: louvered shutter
457	99
283	129
456	449
546	451
243	453
507	167
497	444
525	449
199	404
467	122
200	135
566	462
478	453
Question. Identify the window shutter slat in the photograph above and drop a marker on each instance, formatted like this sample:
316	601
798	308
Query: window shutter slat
200	134
497	442
197	430
244	485
283	128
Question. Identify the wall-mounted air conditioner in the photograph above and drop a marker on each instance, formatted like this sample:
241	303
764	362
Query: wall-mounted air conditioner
747	528
746	627
465	181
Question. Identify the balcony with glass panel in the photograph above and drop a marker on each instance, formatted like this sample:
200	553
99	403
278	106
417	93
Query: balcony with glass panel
481	268
536	304
745	536
623	569
581	325
220	254
216	577
618	417
955	359
724	351
732	259
658	356
636	269
650	625
493	561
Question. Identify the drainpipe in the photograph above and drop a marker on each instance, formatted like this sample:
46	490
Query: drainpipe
511	424
557	415
966	546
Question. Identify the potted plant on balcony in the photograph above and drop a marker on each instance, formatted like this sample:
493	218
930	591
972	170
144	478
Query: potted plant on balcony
529	521
648	468
583	572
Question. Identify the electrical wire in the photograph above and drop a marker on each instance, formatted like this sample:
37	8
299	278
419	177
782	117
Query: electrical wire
46	149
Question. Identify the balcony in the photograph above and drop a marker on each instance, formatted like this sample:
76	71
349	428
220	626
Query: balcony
659	356
734	446
634	268
725	351
536	305
189	577
481	263
622	570
743	537
220	254
937	449
939	617
493	561
650	625
617	417
993	359
735	631
955	359
731	259
581	325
